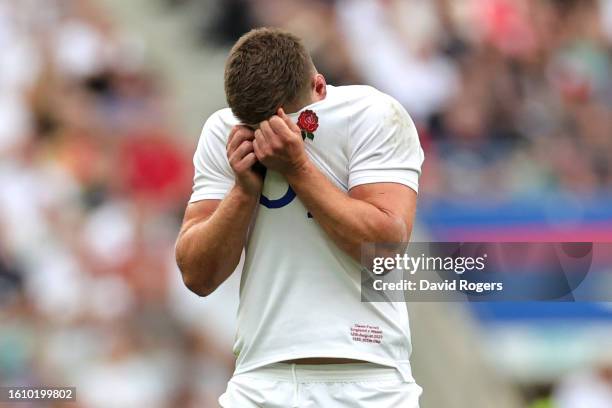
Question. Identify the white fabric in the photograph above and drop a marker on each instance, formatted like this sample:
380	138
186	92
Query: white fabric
329	386
299	293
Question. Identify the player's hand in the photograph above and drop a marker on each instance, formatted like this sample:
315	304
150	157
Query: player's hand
241	156
279	145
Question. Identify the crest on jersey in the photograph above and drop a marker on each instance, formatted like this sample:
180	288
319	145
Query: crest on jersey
308	122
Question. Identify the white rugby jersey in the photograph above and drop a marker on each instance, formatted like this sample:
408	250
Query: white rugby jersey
300	294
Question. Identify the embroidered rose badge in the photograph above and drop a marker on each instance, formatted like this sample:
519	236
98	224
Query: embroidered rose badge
308	122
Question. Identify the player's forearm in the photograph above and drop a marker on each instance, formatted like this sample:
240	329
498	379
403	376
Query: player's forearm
208	251
348	221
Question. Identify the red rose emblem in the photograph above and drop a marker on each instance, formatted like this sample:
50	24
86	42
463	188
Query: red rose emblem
308	121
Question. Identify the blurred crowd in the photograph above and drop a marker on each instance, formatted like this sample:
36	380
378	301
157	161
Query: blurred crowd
511	97
93	183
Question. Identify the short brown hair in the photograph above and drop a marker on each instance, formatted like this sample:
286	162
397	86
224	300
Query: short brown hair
266	69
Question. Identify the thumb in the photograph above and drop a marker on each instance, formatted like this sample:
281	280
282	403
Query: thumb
292	125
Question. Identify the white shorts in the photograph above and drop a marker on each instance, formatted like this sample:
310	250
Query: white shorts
321	386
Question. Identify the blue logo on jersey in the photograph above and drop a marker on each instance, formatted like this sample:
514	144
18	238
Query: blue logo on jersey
281	202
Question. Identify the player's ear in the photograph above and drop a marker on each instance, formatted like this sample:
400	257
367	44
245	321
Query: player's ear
319	87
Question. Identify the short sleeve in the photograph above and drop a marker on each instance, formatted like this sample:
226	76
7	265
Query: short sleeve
384	145
213	176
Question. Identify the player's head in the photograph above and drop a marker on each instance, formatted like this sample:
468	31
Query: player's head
269	68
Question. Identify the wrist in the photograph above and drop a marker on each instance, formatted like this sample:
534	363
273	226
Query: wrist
303	167
244	194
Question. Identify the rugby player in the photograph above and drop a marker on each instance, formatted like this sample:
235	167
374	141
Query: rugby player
341	168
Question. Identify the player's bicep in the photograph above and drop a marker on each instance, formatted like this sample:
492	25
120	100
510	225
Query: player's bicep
396	200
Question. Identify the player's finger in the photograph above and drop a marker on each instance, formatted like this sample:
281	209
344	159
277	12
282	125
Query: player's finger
257	148
231	137
263	138
247	162
260	138
278	125
273	139
292	125
241	151
266	130
262	148
241	134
